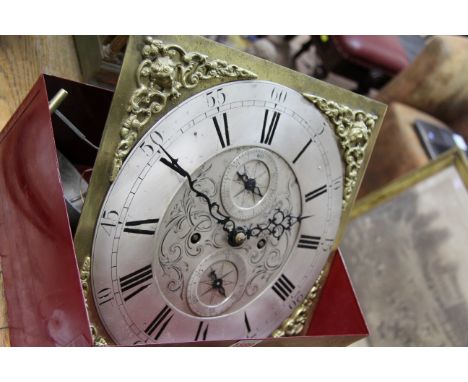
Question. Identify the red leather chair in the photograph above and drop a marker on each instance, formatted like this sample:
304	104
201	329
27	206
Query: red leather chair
371	61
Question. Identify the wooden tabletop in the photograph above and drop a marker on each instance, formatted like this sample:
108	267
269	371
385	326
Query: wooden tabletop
22	60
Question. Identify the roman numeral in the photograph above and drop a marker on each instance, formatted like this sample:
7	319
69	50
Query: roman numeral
160	322
313	194
202	331
136	281
224	141
267	136
130	224
247	324
109	221
302	151
309	242
283	287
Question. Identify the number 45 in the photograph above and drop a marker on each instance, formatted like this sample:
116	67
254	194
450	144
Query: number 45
216	98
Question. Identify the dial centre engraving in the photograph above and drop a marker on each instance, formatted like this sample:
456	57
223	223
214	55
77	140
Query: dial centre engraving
192	231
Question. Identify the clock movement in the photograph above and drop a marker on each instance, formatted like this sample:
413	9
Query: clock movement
221	186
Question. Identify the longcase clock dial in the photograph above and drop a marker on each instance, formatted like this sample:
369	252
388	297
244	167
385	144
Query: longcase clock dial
220	219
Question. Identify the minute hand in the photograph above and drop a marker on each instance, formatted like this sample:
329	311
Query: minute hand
276	226
213	207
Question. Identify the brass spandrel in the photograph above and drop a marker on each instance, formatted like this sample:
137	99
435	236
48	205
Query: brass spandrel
353	129
163	72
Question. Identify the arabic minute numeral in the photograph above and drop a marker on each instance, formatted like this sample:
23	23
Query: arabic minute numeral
109	220
336	184
148	145
278	95
216	98
295	300
104	295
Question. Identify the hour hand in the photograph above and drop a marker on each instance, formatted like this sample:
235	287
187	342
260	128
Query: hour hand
243	177
250	184
221	291
257	191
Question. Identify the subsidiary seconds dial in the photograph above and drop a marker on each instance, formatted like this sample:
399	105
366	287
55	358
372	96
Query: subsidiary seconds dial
220	219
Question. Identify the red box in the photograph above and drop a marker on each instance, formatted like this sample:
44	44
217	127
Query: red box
42	285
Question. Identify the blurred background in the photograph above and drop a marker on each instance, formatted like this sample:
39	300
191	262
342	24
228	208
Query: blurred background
406	247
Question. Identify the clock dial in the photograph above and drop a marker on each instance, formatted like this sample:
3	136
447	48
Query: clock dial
220	219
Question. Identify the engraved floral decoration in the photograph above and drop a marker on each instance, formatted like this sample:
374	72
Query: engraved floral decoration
186	218
353	128
188	215
268	260
164	71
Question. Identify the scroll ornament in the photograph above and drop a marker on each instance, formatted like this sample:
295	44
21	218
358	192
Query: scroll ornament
353	129
163	72
84	276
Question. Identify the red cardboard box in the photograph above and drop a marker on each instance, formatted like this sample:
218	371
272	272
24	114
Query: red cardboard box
45	303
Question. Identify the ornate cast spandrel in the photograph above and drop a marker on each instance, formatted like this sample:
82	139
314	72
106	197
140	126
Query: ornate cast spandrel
353	129
164	71
85	272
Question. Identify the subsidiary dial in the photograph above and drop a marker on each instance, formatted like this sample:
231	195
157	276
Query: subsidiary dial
217	283
250	183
